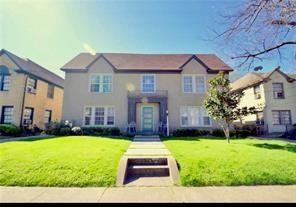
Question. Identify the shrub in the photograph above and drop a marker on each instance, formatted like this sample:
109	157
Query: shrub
65	131
101	131
186	133
10	130
76	131
53	128
218	133
115	131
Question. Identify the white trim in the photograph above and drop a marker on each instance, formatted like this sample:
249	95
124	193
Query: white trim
193	76
101	82
154	88
200	115
92	118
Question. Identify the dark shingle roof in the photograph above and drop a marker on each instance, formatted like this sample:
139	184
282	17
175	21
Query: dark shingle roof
155	62
35	69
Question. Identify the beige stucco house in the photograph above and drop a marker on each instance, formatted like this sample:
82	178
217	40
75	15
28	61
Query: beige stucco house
142	90
273	94
29	93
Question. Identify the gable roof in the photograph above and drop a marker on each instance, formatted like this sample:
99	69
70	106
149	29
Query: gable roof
32	68
252	79
148	62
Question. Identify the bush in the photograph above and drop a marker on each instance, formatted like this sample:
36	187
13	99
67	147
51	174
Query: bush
218	133
239	133
64	131
101	131
76	131
53	128
10	130
187	133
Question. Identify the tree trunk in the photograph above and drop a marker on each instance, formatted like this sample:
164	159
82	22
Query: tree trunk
227	135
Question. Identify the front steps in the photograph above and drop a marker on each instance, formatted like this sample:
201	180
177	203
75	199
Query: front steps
147	162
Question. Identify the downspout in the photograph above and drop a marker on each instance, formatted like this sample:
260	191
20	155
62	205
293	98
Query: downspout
23	102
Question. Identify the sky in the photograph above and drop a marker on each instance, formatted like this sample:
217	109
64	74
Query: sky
51	32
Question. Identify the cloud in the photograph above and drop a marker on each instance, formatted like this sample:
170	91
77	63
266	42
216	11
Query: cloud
89	49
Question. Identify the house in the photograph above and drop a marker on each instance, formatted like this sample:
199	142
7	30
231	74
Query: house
29	93
118	89
273	94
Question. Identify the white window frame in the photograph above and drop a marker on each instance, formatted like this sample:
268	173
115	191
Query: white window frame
201	117
194	76
142	82
100	83
92	118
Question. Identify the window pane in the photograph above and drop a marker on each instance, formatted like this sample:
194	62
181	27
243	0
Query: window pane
7	114
148	83
95	84
278	90
31	83
6	83
28	116
99	115
50	90
200	84
87	115
107	84
285	117
188	87
47	116
110	116
275	117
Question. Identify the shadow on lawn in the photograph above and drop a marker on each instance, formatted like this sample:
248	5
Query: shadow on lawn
32	139
288	147
198	138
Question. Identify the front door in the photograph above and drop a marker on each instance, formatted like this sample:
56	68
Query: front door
147	118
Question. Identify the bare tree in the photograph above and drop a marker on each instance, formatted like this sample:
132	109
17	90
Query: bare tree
260	29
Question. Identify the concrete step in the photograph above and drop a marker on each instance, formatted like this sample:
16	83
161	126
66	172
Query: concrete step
135	167
146	136
148	170
147	161
147	139
147	152
148	146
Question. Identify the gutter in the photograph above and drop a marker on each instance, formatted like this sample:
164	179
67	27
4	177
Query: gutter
23	102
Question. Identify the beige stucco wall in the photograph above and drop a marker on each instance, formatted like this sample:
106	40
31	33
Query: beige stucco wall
38	101
268	103
14	96
77	93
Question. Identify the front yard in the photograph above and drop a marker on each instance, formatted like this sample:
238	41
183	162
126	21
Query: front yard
207	161
65	161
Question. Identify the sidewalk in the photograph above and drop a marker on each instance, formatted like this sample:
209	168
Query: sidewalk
11	139
150	194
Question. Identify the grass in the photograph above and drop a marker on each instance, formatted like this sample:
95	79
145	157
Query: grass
62	161
211	161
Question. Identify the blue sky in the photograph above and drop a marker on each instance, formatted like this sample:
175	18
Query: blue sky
51	32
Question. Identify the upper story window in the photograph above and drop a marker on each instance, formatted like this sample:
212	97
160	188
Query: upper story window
101	83
278	90
31	85
193	116
4	82
257	92
99	116
148	83
50	90
7	114
194	84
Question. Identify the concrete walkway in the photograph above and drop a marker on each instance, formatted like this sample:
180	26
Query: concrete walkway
22	138
150	194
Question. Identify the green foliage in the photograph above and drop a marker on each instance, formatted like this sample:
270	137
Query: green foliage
218	133
101	131
206	161
64	131
10	130
62	161
186	133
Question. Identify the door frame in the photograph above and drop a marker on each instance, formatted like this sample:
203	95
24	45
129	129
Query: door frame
142	119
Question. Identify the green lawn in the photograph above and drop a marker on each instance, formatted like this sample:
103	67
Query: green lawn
64	161
206	161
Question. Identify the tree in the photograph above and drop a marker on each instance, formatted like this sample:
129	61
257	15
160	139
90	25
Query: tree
259	29
222	104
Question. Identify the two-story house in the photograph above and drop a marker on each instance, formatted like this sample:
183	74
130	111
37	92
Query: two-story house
273	94
119	89
29	93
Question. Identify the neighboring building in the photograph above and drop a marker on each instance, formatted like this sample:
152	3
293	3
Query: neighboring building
29	94
273	94
124	89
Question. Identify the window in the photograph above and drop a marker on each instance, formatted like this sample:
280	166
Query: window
281	117
99	115
50	90
28	116
101	83
188	85
278	90
257	92
31	85
194	116
194	84
7	114
4	82
47	116
148	83
260	118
